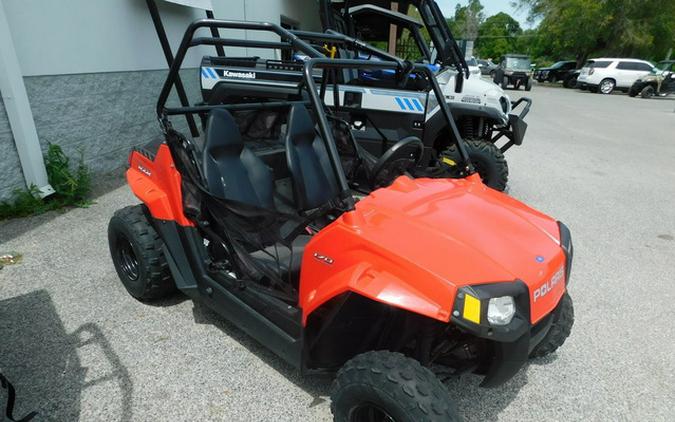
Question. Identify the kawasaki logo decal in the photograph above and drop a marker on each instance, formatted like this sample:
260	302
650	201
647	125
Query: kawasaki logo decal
242	75
210	73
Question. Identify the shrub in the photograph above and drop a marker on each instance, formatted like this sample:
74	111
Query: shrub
71	188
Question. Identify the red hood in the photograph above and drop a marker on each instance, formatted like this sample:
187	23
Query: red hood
436	235
442	221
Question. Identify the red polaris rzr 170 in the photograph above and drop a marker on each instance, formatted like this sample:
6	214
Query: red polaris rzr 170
409	284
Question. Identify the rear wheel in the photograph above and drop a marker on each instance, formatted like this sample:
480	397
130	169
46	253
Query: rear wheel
136	251
386	386
647	92
607	86
563	320
487	159
570	82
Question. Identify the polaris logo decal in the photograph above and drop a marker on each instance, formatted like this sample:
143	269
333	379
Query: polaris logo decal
323	258
547	287
240	75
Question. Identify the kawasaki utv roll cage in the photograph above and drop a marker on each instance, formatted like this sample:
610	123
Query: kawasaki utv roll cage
448	51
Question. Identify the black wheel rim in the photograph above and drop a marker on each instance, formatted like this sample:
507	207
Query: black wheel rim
369	412
127	258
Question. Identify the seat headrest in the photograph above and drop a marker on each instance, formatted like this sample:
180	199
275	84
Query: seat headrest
222	132
300	125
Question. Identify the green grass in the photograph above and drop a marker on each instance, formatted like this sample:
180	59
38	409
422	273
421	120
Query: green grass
72	185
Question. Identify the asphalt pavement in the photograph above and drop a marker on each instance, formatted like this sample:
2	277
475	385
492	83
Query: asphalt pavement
78	347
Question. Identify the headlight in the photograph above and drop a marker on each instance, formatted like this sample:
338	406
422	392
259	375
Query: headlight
501	310
508	72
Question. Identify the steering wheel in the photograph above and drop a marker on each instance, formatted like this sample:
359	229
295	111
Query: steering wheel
403	155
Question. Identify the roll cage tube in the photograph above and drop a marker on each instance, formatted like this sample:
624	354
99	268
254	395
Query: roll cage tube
353	43
289	40
397	19
441	36
324	127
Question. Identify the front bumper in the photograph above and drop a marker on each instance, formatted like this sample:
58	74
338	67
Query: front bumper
512	343
516	128
585	85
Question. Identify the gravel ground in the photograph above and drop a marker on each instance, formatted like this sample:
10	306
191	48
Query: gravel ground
77	346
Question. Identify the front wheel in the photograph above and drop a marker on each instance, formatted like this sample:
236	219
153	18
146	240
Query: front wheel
505	82
136	251
563	320
570	82
387	386
528	85
647	92
486	158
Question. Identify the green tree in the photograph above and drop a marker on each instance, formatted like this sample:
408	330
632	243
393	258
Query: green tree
467	20
581	28
497	36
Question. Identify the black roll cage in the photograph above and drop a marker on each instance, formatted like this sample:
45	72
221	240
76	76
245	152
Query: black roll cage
317	60
446	46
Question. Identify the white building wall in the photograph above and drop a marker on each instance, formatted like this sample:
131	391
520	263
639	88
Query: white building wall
57	37
93	70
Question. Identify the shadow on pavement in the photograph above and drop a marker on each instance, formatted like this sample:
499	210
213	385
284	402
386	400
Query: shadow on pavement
317	387
474	402
41	360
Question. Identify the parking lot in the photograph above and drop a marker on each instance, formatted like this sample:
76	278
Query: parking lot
76	345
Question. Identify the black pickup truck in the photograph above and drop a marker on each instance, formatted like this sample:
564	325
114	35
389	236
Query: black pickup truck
559	71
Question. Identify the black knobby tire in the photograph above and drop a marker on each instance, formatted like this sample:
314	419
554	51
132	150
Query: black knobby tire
487	159
136	251
381	384
505	82
570	82
647	92
528	84
632	92
563	320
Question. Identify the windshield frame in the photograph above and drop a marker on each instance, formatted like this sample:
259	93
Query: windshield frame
519	63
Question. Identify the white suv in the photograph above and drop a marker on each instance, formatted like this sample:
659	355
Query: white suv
604	75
